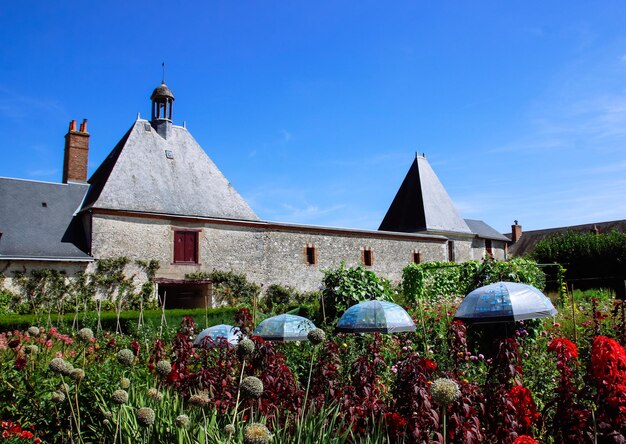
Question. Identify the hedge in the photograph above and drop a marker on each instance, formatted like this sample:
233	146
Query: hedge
128	319
429	279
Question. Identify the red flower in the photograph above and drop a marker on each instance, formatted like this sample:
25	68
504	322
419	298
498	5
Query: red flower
524	439
564	348
20	363
525	407
430	365
396	424
14	430
608	361
134	346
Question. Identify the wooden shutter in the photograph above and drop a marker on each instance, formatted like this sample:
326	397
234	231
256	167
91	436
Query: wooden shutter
190	246
186	246
179	246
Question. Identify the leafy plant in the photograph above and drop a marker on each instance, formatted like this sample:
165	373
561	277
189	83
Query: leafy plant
279	299
344	287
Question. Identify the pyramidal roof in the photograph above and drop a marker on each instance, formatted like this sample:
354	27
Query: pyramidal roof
149	173
422	204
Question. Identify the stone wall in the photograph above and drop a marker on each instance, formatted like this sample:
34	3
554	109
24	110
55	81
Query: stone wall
479	251
499	250
286	259
267	255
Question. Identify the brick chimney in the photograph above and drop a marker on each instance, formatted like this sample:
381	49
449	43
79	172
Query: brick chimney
516	231
76	153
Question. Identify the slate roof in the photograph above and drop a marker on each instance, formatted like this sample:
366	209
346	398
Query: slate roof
422	204
32	230
527	243
482	230
148	173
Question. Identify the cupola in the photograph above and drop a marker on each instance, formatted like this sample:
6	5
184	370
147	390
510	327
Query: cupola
162	105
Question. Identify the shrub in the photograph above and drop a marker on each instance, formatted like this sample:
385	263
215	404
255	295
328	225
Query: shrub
344	287
278	299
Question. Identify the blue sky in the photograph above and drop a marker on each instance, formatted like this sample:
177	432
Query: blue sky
314	110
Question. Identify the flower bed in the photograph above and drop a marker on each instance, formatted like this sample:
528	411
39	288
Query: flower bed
443	383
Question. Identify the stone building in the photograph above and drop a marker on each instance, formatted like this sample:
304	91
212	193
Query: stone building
159	196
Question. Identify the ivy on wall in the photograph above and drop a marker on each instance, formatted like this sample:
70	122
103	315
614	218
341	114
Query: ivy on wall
52	291
43	289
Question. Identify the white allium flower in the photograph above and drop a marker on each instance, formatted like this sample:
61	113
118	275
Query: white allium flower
256	433
251	387
145	417
445	391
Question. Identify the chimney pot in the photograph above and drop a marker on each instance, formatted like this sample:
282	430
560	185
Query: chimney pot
73	125
83	126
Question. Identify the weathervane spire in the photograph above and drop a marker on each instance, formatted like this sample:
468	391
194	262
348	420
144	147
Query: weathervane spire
163	68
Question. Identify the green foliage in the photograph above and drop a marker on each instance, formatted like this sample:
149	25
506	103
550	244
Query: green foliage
344	287
585	255
110	273
282	299
278	299
431	279
229	288
6	302
145	297
128	319
520	270
44	290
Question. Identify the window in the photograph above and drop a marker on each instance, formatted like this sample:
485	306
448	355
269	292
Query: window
488	247
417	257
310	254
367	257
185	247
451	255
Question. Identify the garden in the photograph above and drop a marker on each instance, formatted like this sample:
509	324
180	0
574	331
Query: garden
71	373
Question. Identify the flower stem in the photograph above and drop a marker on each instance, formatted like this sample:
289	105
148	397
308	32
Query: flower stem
243	366
445	432
306	395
